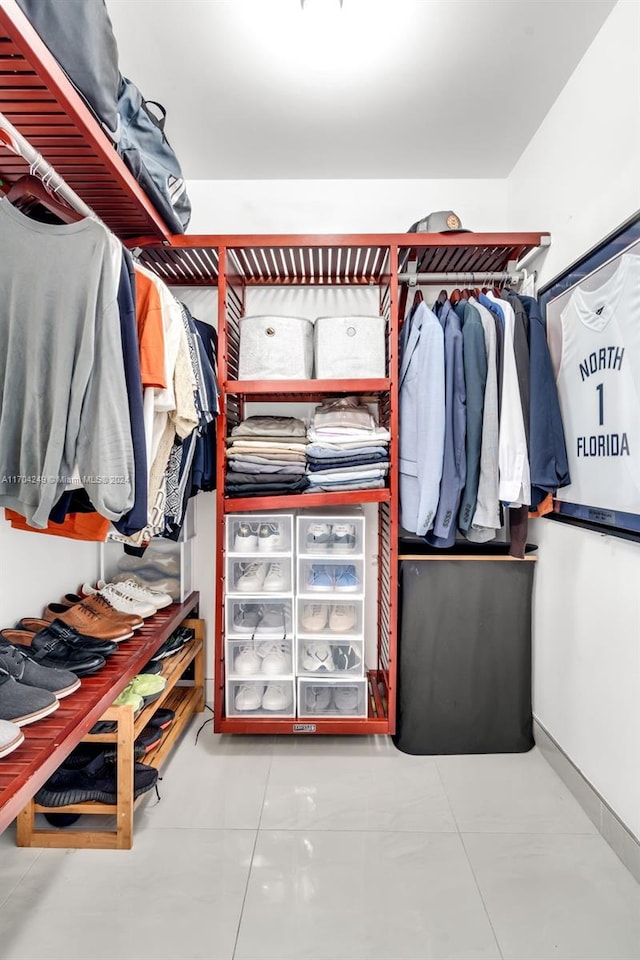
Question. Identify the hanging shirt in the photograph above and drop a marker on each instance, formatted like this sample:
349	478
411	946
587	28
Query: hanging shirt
515	485
61	365
486	518
475	375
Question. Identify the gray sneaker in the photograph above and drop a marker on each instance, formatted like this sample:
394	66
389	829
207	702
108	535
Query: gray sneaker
21	704
27	671
11	736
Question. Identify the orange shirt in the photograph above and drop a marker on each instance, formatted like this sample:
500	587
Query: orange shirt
150	332
76	526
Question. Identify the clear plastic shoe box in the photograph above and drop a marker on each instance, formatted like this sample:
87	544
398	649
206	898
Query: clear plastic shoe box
259	535
260	617
327	658
332	698
166	565
264	660
328	578
331	535
329	618
257	575
260	698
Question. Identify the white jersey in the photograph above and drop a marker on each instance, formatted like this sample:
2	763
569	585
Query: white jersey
598	387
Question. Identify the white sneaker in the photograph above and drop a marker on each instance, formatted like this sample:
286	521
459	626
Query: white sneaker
252	578
277	661
133	590
120	601
247	662
275	580
269	537
249	696
346	699
318	656
314	616
318	699
246	539
277	697
342	619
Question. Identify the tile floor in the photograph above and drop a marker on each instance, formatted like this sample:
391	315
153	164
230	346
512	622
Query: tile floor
328	849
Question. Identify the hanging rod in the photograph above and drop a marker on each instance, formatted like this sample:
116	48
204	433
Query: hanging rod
485	277
14	141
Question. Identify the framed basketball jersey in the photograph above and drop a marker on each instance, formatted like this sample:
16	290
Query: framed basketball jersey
593	327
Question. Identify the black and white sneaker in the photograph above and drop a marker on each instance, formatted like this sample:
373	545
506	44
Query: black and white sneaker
343	537
246	539
269	537
346	658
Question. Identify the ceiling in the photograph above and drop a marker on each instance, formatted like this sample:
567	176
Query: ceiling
381	89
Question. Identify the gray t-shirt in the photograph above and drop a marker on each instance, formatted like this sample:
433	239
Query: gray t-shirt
63	396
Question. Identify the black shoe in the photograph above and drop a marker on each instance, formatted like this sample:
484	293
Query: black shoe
149	737
162	718
57	630
55	653
153	667
95	781
174	643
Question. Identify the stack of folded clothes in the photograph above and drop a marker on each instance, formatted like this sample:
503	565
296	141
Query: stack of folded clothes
266	455
347	449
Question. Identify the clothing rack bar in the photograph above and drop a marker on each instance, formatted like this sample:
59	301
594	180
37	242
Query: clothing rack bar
484	278
14	141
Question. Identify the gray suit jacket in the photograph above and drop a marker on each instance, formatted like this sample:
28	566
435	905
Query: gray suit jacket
455	458
475	375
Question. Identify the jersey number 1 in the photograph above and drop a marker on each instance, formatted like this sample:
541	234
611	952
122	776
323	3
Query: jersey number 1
600	389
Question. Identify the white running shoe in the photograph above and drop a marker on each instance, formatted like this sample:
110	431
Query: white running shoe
342	619
247	662
277	697
346	699
136	591
252	578
318	656
314	616
277	662
275	580
318	699
249	696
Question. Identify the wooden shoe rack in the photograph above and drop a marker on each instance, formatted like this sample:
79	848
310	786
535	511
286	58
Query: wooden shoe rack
184	696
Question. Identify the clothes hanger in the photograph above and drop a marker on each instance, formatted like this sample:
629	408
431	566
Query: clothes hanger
442	297
29	190
455	296
417	298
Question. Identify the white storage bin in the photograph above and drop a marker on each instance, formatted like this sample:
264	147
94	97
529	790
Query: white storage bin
259	534
326	657
260	698
329	618
258	575
255	616
258	659
332	698
328	578
275	348
332	535
166	565
349	347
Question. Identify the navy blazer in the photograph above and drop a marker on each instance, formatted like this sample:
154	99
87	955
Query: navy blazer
548	453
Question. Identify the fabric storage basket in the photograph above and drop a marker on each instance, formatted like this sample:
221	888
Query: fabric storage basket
349	347
275	348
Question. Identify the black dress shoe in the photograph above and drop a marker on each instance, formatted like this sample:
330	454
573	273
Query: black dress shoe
57	630
55	653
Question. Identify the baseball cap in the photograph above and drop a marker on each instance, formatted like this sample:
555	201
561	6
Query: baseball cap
442	221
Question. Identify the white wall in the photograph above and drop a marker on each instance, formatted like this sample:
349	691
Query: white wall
341	206
579	178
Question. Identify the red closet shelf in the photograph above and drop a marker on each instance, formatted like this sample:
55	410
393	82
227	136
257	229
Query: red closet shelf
302	500
50	740
273	390
39	100
312	259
